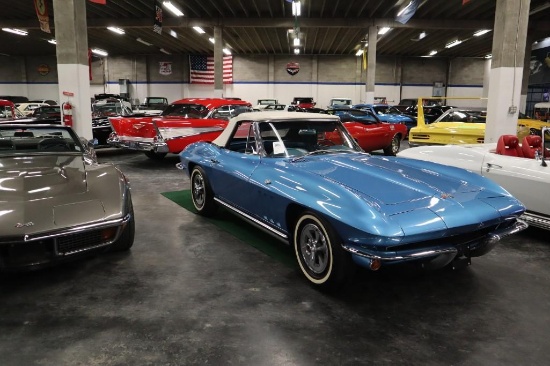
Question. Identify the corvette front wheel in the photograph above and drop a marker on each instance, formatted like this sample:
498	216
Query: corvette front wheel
201	193
319	253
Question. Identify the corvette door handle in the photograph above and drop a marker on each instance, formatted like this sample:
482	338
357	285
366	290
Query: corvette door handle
494	166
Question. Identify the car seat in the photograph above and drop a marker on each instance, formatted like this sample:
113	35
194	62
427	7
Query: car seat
54	144
509	145
530	144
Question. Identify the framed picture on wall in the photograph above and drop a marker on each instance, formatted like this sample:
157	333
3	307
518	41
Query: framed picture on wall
438	89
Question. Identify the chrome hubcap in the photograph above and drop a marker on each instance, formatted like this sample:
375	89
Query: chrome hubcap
314	249
198	190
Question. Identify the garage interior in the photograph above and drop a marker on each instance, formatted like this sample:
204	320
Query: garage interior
190	292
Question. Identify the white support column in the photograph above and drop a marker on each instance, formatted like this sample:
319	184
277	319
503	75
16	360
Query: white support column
218	62
509	38
72	61
371	63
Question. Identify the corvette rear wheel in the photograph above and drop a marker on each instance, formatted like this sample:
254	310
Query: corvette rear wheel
320	256
154	155
394	147
201	193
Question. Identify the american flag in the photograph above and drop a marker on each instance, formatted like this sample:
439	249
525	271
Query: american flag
202	69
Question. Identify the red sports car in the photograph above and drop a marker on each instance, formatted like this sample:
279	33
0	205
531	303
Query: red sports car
369	132
183	122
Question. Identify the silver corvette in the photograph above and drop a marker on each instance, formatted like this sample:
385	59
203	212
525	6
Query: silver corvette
57	202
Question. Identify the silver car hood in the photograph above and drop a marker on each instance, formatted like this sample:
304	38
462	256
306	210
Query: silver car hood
43	193
25	178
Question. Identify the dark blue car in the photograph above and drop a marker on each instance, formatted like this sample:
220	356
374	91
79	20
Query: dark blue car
389	114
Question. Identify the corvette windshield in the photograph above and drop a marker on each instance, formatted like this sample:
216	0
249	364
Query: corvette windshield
292	138
17	140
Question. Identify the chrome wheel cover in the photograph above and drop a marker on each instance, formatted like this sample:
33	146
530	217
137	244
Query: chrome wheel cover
198	190
395	145
314	249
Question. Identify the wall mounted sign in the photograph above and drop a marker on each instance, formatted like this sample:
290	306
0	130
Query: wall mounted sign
43	69
165	68
42	14
292	68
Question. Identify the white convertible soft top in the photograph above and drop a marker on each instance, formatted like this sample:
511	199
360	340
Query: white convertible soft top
270	116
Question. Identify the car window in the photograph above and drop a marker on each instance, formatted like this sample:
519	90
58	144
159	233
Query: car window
186	111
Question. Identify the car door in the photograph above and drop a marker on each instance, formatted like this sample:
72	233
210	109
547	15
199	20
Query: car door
231	170
371	133
526	179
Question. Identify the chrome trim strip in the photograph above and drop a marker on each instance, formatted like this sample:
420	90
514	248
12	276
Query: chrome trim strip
490	239
77	229
537	220
254	220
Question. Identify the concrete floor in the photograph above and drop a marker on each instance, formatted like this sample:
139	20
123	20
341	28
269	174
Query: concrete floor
190	294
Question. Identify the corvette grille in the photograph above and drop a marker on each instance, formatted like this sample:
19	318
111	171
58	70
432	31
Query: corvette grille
78	242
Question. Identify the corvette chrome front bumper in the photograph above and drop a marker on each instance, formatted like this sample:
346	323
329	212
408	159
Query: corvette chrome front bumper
442	254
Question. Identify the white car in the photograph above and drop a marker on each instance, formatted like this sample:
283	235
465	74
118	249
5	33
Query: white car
519	168
28	108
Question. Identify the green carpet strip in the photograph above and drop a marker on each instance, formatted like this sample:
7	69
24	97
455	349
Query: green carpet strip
240	229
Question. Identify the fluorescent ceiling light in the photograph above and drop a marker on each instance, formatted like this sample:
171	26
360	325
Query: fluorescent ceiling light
405	8
52	41
226	51
296	8
99	52
296	51
296	41
144	42
199	30
211	39
16	31
164	51
116	30
172	8
481	32
434	52
453	43
384	30
359	52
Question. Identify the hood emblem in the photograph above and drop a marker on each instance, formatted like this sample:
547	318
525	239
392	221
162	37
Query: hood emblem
446	195
27	224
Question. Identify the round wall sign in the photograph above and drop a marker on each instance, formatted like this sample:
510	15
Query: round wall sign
43	69
292	68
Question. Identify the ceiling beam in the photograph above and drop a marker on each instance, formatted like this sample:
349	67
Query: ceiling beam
279	23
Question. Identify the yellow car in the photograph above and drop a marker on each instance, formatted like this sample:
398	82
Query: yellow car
455	126
541	119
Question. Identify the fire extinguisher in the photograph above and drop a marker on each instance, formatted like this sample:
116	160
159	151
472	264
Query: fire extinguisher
67	114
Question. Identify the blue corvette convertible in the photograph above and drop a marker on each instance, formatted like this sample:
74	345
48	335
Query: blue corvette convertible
303	178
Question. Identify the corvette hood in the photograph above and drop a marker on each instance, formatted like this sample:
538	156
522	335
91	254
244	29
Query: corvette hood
419	200
43	193
40	177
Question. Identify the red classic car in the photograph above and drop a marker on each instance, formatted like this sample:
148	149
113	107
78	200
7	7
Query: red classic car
183	122
369	132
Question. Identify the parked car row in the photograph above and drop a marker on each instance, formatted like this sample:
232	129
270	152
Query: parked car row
203	119
423	207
